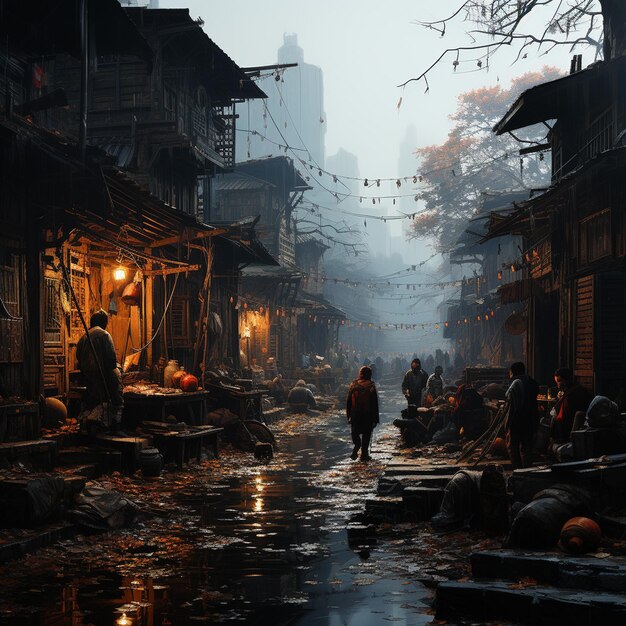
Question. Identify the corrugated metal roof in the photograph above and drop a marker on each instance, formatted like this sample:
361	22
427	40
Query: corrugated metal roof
238	182
122	152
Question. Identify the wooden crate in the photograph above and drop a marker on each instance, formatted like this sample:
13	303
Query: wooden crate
19	422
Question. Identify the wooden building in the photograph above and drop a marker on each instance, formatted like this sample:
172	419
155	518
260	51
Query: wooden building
170	122
477	320
43	174
576	231
80	222
269	189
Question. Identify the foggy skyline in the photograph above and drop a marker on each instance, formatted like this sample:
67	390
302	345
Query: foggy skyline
365	50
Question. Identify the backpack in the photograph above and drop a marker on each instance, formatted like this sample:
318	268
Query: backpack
361	399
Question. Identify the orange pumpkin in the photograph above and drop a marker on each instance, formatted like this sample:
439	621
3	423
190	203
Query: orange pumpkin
581	534
189	383
177	377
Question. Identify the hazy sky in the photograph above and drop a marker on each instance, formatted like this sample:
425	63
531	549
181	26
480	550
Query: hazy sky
365	49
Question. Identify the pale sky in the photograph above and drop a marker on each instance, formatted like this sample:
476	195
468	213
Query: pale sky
365	49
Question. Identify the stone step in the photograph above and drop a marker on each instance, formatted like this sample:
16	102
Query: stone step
25	503
521	604
40	453
16	543
606	483
75	454
559	570
385	508
422	502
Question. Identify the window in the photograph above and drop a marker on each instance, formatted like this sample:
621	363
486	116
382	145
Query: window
595	237
181	323
52	311
10	282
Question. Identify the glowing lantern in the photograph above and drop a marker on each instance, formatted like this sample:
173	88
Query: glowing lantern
119	274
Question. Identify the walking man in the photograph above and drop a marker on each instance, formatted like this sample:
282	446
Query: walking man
414	382
362	412
522	416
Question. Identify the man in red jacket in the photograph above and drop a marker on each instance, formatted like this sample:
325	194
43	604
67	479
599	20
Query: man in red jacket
362	412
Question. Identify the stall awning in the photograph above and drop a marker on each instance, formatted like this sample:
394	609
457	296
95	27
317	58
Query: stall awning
103	203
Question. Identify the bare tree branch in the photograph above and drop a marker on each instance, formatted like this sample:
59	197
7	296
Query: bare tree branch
500	23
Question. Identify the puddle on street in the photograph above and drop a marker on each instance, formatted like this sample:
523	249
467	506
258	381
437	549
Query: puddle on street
231	541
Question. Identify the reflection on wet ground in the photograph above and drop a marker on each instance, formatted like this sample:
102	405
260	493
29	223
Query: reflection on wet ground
233	540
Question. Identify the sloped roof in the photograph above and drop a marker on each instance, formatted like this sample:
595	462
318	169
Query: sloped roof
278	170
239	181
549	100
184	34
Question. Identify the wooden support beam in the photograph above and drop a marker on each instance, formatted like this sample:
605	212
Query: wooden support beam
187	236
172	270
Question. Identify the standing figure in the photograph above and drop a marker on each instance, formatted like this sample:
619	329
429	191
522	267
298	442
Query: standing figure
434	385
362	412
414	382
573	398
100	372
522	416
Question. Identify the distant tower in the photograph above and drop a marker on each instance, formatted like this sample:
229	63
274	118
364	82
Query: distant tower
295	106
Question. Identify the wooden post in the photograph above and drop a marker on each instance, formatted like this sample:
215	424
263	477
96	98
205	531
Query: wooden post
33	316
149	309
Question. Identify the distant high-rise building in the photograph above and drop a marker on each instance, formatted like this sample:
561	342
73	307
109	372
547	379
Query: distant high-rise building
293	113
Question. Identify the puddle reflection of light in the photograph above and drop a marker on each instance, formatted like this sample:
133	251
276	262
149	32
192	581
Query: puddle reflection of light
258	505
260	487
123	621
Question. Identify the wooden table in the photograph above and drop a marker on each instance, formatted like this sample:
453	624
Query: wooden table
185	407
180	447
245	404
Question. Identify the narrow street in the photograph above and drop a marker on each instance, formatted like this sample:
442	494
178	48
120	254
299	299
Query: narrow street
235	540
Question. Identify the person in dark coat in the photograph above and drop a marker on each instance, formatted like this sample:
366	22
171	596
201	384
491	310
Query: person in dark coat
522	416
99	371
301	397
414	382
573	398
362	412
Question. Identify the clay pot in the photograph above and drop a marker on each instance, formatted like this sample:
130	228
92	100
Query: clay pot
177	377
150	462
580	534
55	412
189	383
169	371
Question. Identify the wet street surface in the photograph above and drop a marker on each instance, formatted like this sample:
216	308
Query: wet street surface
234	540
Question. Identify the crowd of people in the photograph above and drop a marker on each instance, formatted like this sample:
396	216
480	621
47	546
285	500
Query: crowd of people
526	434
